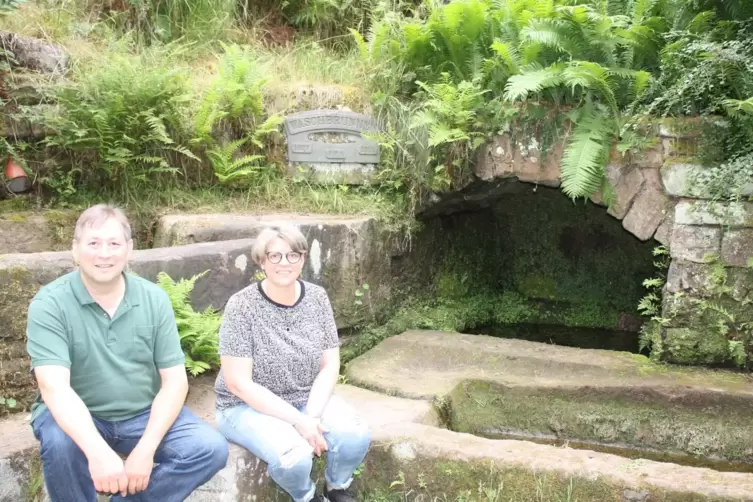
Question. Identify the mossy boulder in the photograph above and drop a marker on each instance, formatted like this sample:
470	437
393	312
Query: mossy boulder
36	232
681	421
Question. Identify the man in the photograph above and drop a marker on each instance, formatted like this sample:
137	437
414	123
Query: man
106	355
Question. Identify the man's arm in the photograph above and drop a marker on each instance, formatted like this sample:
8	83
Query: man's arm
170	361
325	382
47	344
165	409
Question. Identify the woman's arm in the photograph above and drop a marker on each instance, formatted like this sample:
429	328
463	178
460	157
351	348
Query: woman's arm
236	371
324	383
329	371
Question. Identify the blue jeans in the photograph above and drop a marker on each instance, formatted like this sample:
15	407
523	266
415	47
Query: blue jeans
190	453
289	457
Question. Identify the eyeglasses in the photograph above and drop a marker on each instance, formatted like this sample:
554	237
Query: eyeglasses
292	257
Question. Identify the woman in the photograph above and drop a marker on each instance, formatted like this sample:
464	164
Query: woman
280	363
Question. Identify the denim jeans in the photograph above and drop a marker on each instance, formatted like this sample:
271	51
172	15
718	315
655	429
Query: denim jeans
288	456
190	453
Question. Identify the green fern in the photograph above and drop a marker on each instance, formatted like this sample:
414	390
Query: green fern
232	170
586	153
198	331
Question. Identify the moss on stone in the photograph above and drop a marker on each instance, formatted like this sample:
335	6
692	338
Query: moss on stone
16	291
385	479
699	423
695	346
61	225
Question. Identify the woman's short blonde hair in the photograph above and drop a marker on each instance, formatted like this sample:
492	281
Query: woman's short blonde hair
288	233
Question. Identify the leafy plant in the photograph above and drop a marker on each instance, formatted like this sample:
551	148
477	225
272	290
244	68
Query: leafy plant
234	97
199	331
651	304
120	120
8	402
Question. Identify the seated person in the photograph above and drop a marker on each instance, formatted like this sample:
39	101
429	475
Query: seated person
280	363
106	355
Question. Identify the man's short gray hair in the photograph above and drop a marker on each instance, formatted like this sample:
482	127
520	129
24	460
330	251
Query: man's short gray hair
288	233
97	215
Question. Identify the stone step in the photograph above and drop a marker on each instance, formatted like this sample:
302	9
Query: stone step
410	454
487	385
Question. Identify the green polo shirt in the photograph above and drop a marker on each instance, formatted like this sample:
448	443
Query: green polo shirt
114	362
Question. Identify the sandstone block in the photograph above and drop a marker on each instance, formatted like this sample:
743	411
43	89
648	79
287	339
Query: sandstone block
731	214
495	159
649	208
692	243
530	166
34	53
737	247
688	276
627	183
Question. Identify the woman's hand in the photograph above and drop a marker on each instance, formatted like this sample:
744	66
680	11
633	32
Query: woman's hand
312	430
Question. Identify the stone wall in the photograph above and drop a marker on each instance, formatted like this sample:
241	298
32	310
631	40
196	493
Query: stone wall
709	283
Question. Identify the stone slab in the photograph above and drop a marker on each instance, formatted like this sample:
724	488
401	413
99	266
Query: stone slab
693	243
428	364
728	214
648	209
678	181
627	184
30	232
737	247
344	251
34	53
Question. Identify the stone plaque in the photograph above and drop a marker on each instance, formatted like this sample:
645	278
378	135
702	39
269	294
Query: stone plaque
331	137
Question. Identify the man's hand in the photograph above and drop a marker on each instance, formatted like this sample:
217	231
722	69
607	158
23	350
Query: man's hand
108	472
138	468
312	430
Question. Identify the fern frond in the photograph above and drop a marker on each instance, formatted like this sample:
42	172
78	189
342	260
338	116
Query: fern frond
586	154
533	79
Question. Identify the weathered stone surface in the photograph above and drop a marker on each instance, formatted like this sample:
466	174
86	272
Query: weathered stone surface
29	232
649	208
729	214
495	159
18	126
677	179
428	364
687	276
627	183
529	164
34	53
344	253
663	233
737	247
693	243
651	158
644	418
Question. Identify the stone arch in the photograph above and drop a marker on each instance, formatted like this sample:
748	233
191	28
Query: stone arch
653	198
